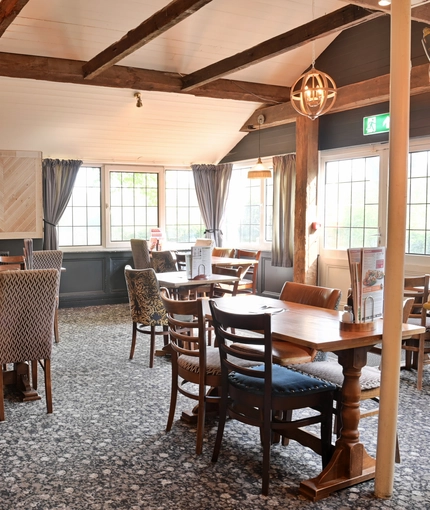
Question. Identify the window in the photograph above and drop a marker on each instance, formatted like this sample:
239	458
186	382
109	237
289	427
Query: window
418	204
351	203
248	216
184	223
133	204
80	224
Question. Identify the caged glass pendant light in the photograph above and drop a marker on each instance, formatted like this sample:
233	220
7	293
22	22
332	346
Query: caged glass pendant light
314	93
259	171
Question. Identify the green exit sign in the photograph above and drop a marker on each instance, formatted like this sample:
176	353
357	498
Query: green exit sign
376	124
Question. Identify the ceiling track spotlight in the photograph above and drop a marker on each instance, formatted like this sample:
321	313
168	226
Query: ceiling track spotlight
138	97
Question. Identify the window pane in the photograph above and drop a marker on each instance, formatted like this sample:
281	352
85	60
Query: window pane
418	204
184	223
134	204
351	210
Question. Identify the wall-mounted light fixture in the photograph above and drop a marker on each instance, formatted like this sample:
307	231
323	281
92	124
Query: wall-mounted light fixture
259	171
138	97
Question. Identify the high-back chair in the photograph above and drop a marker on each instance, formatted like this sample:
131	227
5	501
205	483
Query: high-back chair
248	285
220	289
140	252
13	259
266	395
50	259
27	309
222	252
193	362
146	307
416	348
287	353
163	261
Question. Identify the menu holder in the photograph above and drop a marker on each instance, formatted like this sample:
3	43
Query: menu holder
367	271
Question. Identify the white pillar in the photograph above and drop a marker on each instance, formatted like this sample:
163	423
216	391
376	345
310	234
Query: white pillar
394	274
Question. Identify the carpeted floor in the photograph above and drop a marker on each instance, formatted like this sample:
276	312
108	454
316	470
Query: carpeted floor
104	447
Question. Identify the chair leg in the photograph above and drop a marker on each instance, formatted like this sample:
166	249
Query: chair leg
56	332
201	418
166	335
267	433
48	386
34	374
221	422
1	396
152	347
420	365
133	340
174	392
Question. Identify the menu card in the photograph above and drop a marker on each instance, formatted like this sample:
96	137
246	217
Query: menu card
367	270
201	261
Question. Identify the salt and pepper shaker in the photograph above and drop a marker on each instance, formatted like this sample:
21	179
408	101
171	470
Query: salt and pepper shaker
347	315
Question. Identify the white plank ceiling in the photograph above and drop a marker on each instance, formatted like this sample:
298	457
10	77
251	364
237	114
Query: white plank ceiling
100	124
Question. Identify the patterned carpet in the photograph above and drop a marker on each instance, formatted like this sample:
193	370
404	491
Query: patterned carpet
104	447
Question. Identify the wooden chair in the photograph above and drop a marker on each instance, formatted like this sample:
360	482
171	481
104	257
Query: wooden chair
286	353
248	285
220	289
223	252
417	347
146	307
13	259
27	310
50	259
140	251
265	396
194	362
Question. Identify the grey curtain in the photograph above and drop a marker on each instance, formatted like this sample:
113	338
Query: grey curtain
58	180
284	185
212	183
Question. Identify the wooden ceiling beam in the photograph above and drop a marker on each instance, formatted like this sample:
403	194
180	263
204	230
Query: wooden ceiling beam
70	71
419	13
346	17
9	10
349	97
160	22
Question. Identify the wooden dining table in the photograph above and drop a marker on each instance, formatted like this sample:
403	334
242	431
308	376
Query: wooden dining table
319	328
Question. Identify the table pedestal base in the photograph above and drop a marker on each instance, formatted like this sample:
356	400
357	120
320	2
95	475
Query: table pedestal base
347	467
20	378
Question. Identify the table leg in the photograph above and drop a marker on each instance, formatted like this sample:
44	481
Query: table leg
350	463
20	378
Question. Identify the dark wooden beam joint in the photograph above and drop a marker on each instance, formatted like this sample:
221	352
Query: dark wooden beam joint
160	22
9	10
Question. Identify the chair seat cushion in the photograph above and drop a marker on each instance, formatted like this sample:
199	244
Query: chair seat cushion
285	382
331	371
213	364
284	353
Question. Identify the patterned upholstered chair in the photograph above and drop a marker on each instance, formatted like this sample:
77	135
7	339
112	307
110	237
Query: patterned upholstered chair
163	261
146	308
50	259
140	251
27	310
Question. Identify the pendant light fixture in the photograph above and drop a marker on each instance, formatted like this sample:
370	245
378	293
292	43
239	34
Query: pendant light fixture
259	171
314	93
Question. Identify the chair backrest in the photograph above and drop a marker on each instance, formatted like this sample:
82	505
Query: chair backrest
163	261
146	306
239	272
13	259
47	259
223	252
186	326
27	310
421	285
251	329
252	271
312	295
140	251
